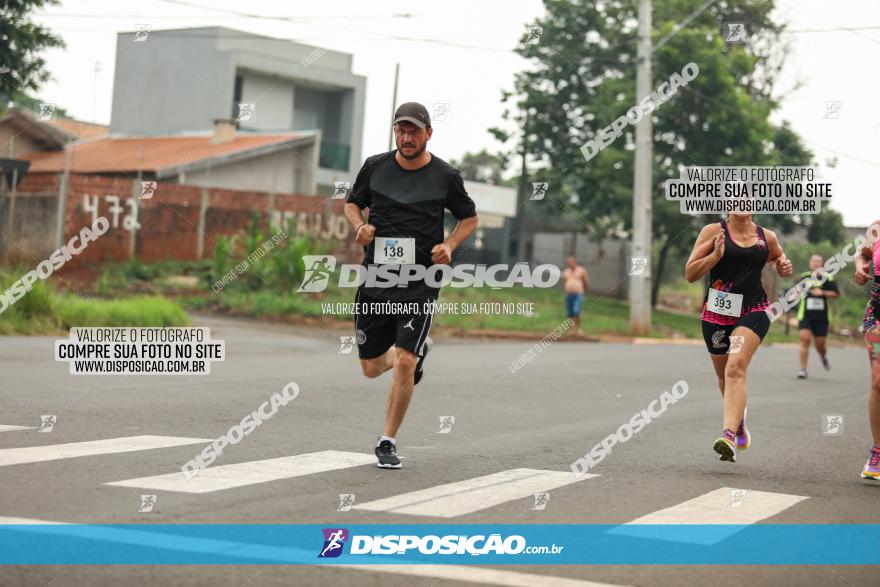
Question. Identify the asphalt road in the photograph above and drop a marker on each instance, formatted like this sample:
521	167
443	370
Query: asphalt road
544	416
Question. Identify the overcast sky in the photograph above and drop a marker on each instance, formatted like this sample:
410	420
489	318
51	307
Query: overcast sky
460	52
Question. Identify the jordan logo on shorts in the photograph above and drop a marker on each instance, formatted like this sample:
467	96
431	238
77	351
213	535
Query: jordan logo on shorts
409	325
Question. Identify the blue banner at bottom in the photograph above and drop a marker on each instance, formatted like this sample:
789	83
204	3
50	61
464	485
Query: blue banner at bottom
522	544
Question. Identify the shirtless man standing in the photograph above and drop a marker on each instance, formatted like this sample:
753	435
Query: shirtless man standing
575	282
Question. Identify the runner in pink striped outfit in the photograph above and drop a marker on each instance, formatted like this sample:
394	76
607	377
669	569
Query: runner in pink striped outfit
734	252
863	275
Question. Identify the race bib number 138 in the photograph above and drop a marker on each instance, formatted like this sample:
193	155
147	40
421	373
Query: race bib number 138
398	251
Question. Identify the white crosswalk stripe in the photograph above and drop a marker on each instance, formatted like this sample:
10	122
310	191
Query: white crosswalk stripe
479	575
54	452
471	495
12	521
10	428
726	506
252	472
726	509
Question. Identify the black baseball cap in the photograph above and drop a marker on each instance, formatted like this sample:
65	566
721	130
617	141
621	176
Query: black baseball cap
413	112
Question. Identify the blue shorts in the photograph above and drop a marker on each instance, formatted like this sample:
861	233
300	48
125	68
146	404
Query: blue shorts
574	302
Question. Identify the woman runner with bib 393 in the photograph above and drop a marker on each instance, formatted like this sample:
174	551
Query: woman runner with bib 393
734	252
863	262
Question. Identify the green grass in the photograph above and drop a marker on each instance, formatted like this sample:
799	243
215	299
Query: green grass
136	311
276	298
846	311
600	316
42	311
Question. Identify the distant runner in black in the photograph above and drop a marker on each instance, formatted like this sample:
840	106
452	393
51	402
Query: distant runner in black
814	316
406	191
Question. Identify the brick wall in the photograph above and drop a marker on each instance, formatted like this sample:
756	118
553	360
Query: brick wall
170	222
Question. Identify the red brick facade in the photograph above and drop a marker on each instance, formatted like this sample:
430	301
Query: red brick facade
169	222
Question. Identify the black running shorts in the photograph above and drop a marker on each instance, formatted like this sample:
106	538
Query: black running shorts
379	325
817	325
717	336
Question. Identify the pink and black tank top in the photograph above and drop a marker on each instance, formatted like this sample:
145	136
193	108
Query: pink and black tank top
876	258
739	272
872	312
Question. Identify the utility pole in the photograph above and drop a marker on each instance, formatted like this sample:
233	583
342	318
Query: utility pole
394	103
640	285
95	92
521	199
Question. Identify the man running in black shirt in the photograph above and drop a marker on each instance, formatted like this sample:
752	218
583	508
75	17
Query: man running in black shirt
406	191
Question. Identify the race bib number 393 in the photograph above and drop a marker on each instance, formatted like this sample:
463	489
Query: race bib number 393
398	251
724	302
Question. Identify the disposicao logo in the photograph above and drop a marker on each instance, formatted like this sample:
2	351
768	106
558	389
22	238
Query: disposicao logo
320	268
334	541
394	544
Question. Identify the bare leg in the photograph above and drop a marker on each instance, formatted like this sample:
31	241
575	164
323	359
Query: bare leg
805	347
720	364
822	346
735	385
401	390
874	400
378	365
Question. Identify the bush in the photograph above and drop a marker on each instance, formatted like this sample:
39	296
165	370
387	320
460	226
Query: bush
36	302
31	313
281	268
221	263
137	311
41	311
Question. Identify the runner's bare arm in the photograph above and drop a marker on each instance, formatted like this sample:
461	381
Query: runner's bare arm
863	267
442	253
708	250
586	281
354	215
777	255
363	232
862	261
462	231
867	251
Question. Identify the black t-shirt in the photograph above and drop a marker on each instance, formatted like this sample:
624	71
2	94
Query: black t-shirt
804	313
409	204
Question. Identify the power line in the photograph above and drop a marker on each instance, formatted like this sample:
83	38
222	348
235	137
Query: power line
841	28
259	38
381	16
847	155
682	24
171	17
304	20
834	30
806	141
298	20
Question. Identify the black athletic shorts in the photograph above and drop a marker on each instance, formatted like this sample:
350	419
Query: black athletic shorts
818	325
717	336
379	325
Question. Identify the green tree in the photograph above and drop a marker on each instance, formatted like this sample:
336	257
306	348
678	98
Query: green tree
582	77
482	166
827	226
22	66
27	102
